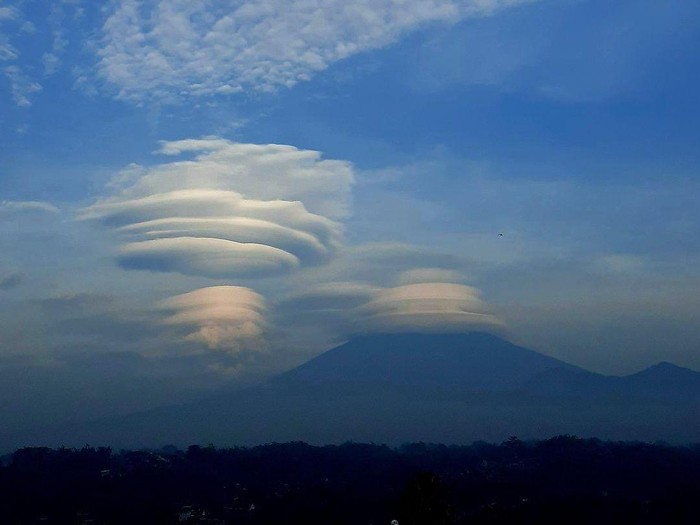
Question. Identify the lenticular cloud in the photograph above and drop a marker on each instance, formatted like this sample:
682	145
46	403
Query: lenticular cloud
226	318
232	211
357	308
438	307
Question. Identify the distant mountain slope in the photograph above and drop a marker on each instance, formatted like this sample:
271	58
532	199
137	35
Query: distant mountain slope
449	388
570	384
663	382
471	361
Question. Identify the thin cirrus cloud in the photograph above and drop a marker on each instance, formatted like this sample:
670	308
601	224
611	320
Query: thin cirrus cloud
224	318
168	48
7	50
235	210
27	206
22	86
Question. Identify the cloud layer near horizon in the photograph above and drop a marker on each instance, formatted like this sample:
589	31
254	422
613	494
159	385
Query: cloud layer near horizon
166	49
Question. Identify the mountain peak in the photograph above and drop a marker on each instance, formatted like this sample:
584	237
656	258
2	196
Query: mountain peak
665	364
472	360
665	368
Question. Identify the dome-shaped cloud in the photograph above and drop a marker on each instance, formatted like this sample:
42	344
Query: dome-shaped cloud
352	308
262	172
435	307
236	210
227	318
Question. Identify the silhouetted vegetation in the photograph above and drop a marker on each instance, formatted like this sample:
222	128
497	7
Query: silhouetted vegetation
560	480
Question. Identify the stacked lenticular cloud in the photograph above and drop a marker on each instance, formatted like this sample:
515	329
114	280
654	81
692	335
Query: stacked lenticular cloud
421	306
235	210
229	211
440	307
229	318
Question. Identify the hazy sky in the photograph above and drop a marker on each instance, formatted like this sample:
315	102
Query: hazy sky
199	192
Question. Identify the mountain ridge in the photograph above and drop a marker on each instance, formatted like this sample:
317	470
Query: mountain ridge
474	359
328	400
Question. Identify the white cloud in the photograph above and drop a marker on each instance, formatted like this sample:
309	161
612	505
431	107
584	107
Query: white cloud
264	172
28	28
206	257
28	206
435	307
7	50
305	245
225	318
235	210
21	86
52	59
345	309
25	56
169	48
7	13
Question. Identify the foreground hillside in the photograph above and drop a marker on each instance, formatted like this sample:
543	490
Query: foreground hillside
560	480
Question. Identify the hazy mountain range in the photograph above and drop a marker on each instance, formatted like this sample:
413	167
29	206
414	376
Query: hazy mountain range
447	388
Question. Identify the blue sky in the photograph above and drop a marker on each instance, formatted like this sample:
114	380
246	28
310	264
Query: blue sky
420	131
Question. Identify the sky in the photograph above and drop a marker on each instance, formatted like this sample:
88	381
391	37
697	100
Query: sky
197	194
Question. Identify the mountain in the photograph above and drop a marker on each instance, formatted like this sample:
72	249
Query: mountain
664	382
471	361
442	388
